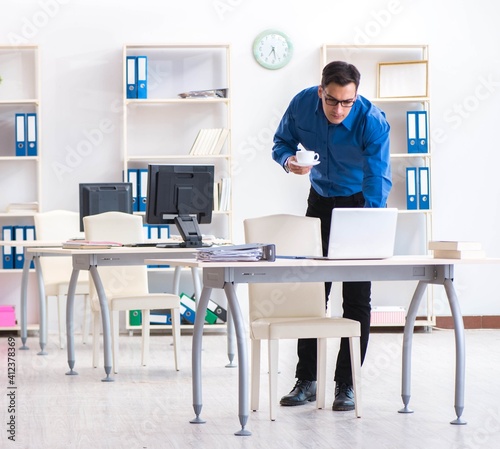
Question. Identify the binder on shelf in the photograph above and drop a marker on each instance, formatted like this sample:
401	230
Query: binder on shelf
132	177
422	145
153	233
218	310
142	77
162	316
423	188
187	309
163	232
416	131
7	250
131	75
143	188
31	135
18	249
20	134
135	317
411	188
29	235
190	305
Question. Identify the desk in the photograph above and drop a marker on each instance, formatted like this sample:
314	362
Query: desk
424	269
90	260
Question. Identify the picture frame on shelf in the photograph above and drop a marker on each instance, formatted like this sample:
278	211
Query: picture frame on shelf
403	79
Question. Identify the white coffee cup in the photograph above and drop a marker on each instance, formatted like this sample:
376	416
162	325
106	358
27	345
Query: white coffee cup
306	157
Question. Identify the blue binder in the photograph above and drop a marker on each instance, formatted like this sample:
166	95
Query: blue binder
20	134
163	232
423	188
19	249
422	145
132	176
31	135
142	77
29	235
160	317
7	250
131	75
411	188
187	309
143	188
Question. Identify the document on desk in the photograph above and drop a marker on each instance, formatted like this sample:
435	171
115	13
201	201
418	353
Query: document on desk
251	252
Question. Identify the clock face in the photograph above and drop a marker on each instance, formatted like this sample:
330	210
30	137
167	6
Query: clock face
272	49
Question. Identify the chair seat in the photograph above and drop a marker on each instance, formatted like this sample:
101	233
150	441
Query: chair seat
150	302
313	327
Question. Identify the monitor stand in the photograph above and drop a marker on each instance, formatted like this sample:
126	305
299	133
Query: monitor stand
189	230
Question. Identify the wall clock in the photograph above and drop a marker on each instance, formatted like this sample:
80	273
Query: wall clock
272	49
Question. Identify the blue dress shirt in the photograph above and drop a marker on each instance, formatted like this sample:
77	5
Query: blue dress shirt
354	155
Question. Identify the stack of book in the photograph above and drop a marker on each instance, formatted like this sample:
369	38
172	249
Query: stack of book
209	141
453	249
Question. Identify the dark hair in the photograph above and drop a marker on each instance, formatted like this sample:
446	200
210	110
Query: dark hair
341	73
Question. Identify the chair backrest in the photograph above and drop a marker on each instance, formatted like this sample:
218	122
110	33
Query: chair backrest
57	226
123	228
292	235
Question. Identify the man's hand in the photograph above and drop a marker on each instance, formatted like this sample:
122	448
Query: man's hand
297	169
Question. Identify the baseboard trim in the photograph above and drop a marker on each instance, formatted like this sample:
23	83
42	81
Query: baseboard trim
471	322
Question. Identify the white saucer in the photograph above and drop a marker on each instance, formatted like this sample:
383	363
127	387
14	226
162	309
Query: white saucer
309	164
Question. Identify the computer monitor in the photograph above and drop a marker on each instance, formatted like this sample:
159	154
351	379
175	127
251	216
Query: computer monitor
181	194
96	198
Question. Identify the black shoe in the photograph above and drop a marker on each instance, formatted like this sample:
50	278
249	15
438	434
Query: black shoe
344	398
303	391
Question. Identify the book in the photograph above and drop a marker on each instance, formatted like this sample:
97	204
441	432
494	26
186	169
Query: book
88	244
455	245
459	254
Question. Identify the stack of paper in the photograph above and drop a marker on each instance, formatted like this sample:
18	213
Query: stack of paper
452	249
88	244
236	253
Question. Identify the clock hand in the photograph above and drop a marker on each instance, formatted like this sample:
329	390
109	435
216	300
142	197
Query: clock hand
272	51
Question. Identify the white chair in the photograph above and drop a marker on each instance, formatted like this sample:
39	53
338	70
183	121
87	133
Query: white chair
59	226
291	311
126	287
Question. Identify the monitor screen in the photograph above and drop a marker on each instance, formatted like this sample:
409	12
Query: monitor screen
181	194
96	198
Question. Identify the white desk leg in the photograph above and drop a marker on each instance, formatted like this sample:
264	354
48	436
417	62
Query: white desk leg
42	305
195	273
241	338
407	343
177	280
24	300
458	324
106	326
231	338
70	307
196	354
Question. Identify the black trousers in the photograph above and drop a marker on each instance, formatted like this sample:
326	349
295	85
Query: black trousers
356	296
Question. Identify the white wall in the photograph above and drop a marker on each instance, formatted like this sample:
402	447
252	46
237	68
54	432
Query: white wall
81	50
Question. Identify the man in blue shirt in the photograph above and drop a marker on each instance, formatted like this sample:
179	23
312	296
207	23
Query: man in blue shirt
351	136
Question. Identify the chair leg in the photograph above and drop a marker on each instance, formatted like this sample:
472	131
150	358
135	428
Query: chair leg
176	334
85	333
321	373
273	354
115	329
145	337
61	320
255	375
96	334
354	348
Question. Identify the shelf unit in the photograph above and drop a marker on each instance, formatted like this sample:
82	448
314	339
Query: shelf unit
414	226
162	128
19	93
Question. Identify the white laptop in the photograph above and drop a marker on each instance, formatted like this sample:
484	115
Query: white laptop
362	233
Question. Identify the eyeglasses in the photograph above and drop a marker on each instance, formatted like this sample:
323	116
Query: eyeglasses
330	101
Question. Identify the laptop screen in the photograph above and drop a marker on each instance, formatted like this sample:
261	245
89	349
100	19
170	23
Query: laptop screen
362	233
